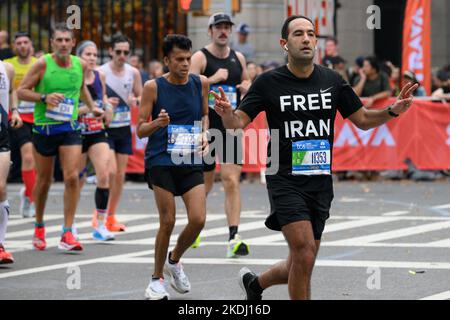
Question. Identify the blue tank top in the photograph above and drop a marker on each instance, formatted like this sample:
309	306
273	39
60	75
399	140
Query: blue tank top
183	103
95	88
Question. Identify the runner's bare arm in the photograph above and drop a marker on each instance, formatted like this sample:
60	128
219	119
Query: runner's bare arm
107	106
198	63
145	126
33	76
245	79
137	86
85	95
16	120
205	108
366	119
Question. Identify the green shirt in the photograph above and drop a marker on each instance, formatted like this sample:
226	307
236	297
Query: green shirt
56	79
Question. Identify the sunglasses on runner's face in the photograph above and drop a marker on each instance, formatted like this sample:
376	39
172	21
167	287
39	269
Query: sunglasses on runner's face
119	52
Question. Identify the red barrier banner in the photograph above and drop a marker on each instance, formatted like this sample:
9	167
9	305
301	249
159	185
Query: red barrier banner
416	55
422	134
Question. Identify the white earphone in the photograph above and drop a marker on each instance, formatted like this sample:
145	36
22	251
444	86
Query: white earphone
286	47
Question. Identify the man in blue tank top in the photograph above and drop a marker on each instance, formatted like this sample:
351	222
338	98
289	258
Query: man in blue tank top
174	115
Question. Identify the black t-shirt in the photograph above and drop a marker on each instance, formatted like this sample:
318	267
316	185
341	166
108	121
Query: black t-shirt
301	109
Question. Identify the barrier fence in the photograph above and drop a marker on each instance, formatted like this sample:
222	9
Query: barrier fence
422	135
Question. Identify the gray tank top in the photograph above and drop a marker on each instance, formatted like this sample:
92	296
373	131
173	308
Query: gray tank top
119	87
4	94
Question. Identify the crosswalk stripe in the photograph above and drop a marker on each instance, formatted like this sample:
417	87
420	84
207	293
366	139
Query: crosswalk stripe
439	296
332	227
442	206
22	245
398	233
319	262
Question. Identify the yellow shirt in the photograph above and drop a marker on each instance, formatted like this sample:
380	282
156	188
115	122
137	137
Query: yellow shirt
20	69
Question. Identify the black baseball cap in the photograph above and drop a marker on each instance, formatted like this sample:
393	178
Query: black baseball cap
22	34
219	18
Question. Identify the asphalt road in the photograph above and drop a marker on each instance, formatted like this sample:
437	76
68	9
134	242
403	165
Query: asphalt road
384	240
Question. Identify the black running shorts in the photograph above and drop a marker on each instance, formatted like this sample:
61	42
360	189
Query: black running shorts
22	135
91	139
177	180
291	202
4	139
48	146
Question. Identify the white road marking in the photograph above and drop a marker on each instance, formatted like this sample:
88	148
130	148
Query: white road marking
29	232
440	296
442	206
394	213
23	245
350	200
319	262
332	227
398	233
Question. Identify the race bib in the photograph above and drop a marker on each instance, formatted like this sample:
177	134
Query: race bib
311	157
121	117
230	92
62	112
183	139
90	124
26	107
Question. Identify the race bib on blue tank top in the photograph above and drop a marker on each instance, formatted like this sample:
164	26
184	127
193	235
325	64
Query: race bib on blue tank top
121	118
62	112
230	92
183	139
311	157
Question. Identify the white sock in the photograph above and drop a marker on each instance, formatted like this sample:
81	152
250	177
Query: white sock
4	213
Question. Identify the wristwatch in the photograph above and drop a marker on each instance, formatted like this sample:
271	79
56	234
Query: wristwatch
43	98
391	113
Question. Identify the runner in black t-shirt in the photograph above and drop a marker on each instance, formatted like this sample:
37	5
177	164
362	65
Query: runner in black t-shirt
300	100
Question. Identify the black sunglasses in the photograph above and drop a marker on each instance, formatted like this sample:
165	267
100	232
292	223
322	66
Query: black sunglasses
119	52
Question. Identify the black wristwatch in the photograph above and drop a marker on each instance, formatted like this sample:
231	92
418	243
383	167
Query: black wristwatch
391	113
43	98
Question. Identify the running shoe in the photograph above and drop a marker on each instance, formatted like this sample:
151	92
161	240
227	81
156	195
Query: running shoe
178	279
5	257
24	204
156	290
237	247
113	225
39	238
68	243
246	276
74	231
102	234
32	210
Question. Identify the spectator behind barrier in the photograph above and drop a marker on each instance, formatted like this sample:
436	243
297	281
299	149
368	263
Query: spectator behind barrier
371	82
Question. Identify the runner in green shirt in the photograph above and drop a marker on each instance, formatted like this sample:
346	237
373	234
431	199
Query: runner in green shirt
58	82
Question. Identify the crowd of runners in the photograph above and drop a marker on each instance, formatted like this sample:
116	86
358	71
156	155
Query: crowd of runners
66	105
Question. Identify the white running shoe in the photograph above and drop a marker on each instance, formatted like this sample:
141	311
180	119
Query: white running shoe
24	204
32	210
102	234
178	279
156	290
